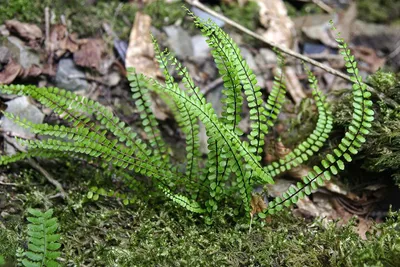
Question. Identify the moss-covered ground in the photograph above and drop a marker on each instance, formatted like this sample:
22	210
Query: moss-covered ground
157	233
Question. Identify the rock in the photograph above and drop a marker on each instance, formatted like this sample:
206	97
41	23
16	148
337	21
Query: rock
200	46
248	57
113	78
205	16
69	77
22	107
5	56
25	56
4	31
268	55
179	41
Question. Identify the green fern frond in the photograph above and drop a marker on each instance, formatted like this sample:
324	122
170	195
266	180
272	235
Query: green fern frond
248	79
232	87
276	98
314	141
43	242
350	144
140	94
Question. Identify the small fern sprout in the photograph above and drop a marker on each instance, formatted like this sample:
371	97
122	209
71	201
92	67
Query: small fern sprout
43	241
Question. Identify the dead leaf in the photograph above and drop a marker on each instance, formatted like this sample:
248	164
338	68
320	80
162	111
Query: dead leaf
10	72
279	30
369	56
302	170
29	32
279	27
257	204
90	54
61	41
13	70
317	27
140	53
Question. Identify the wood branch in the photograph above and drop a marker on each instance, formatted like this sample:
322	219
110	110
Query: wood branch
288	51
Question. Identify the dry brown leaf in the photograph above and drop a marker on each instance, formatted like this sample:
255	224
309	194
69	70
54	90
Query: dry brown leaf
29	32
317	27
257	204
369	56
279	27
279	30
10	72
61	41
13	70
90	54
140	53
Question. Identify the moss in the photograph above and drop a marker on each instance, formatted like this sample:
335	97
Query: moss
379	11
381	152
157	233
119	15
302	9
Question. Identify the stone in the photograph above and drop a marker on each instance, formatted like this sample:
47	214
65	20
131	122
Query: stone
25	109
205	16
69	77
268	55
179	41
200	46
25	56
248	57
5	56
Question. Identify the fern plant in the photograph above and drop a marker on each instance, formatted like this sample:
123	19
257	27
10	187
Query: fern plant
43	242
233	166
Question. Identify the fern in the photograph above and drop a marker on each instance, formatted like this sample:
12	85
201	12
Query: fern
363	115
233	165
43	242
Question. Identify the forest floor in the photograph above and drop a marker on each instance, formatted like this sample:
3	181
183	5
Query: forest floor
85	46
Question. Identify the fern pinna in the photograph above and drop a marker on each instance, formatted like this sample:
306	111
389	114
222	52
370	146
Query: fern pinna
233	166
43	242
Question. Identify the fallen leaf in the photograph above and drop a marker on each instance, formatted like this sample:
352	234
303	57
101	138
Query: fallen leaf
29	32
369	56
61	41
140	53
279	27
257	204
10	72
13	70
279	30
317	27
90	54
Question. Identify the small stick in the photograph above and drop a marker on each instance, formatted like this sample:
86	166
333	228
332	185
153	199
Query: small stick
211	86
39	168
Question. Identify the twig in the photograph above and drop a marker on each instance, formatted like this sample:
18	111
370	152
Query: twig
211	86
47	27
321	5
39	168
49	177
8	184
287	51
